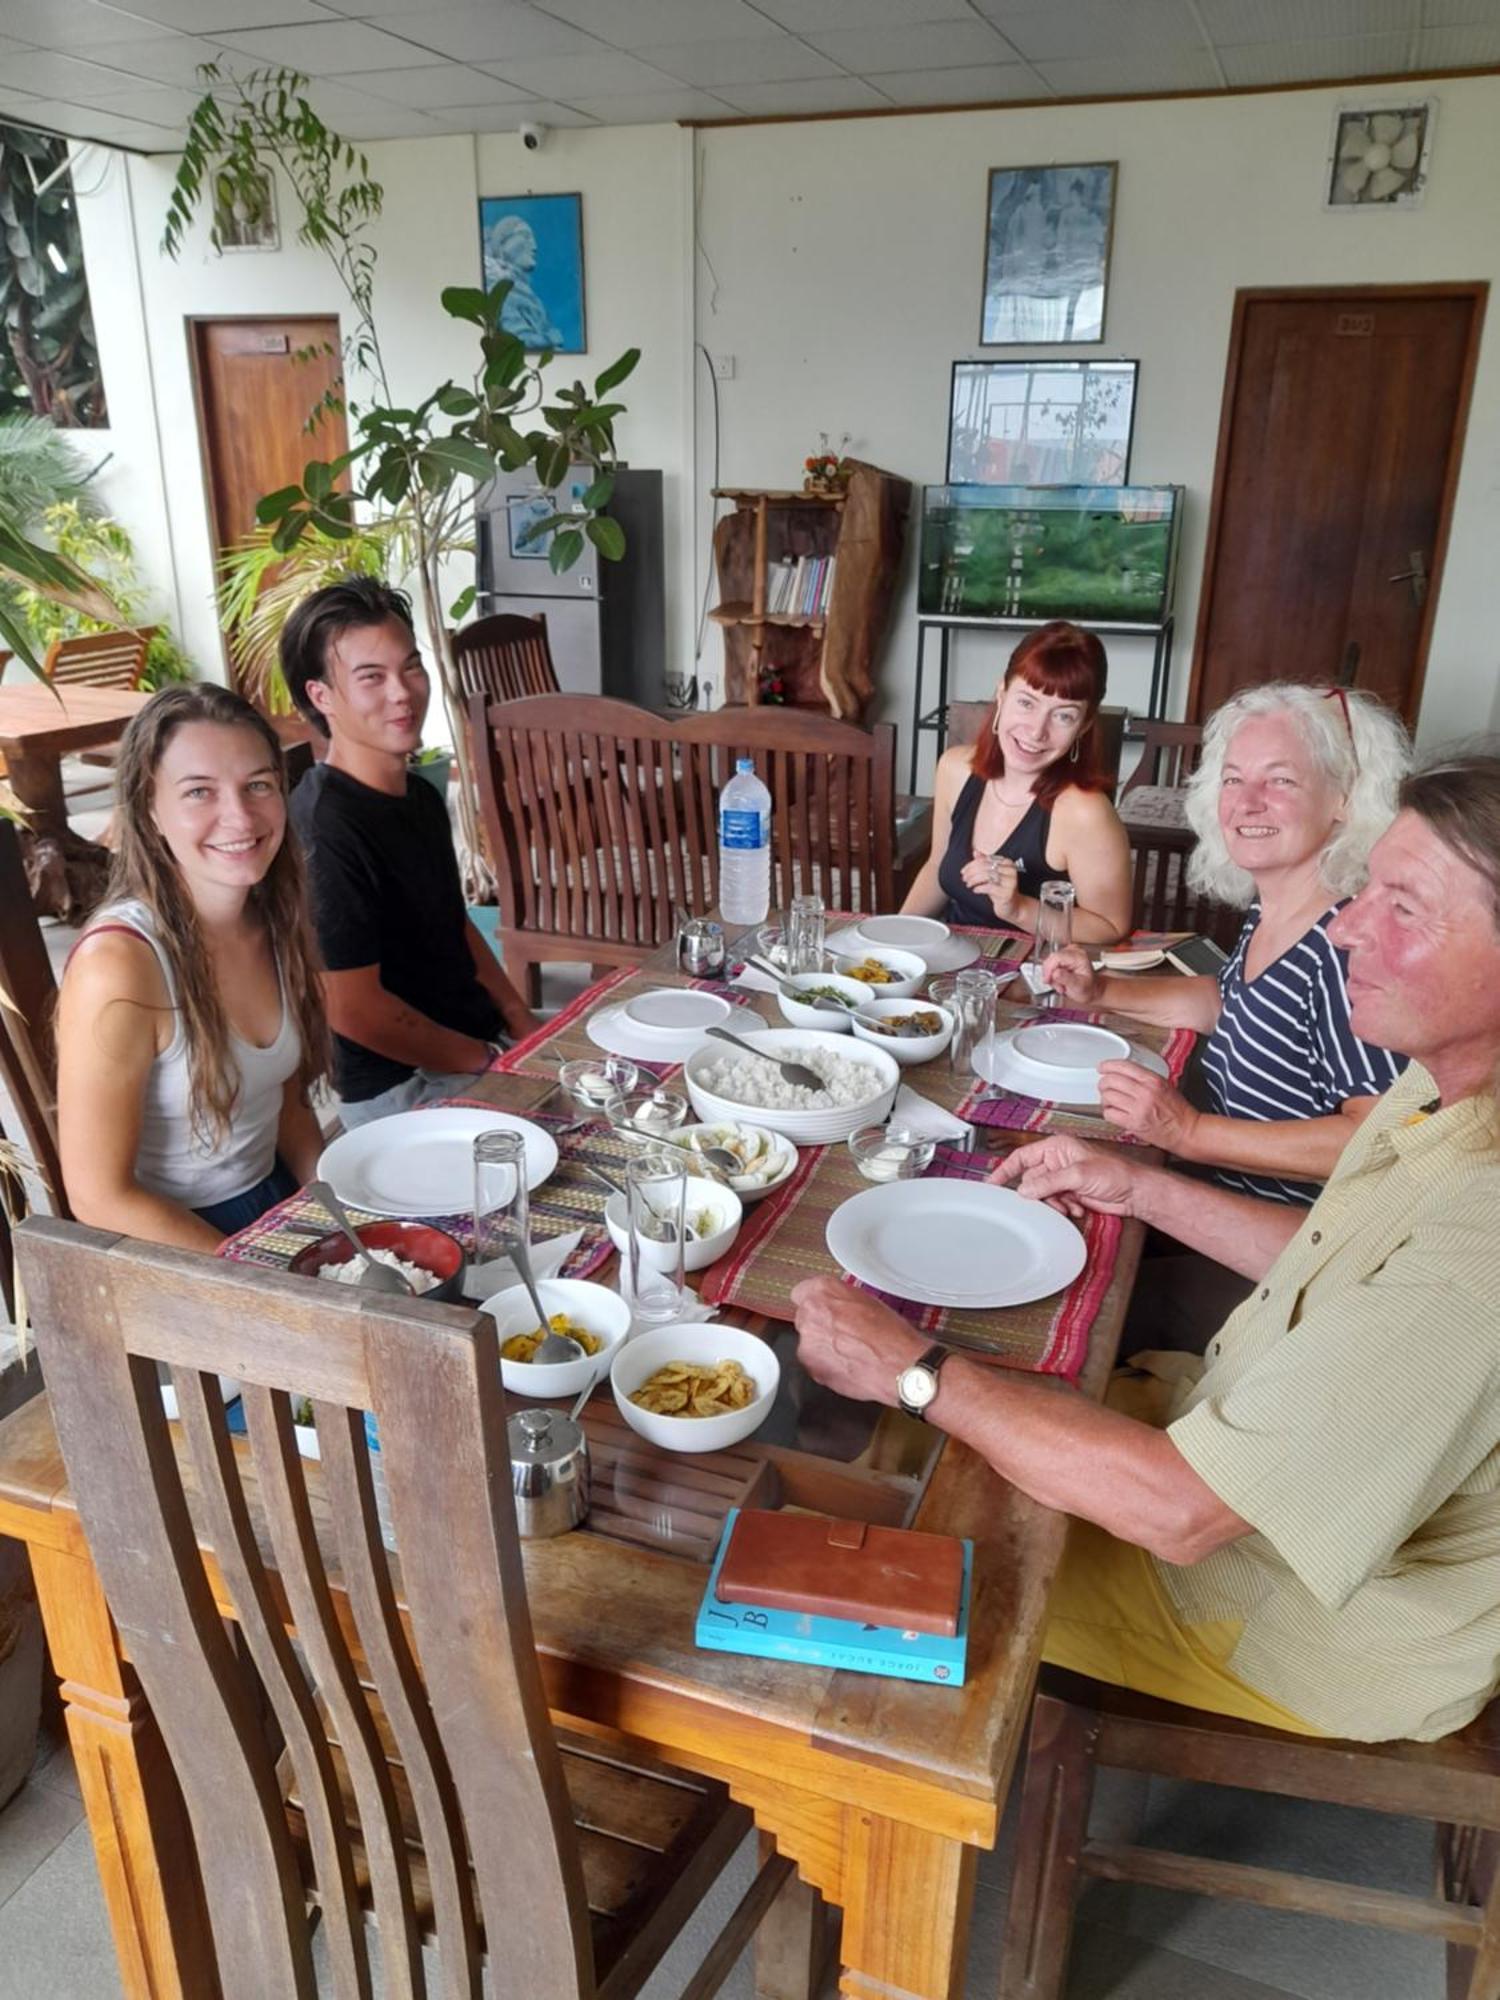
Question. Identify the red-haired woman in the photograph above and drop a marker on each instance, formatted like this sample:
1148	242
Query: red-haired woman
1028	803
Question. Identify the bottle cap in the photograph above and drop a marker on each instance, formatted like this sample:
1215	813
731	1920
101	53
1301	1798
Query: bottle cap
744	764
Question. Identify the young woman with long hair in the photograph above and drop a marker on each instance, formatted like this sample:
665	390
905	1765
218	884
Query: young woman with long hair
189	1024
1029	803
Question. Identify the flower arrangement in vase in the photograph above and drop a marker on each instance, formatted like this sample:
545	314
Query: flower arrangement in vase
827	472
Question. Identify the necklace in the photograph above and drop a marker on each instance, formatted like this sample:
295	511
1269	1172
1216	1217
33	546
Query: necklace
1014	805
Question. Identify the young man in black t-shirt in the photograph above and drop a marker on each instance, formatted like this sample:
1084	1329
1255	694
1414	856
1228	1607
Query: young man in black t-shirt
416	998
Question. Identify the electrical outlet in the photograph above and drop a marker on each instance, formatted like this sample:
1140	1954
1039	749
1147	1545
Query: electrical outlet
724	367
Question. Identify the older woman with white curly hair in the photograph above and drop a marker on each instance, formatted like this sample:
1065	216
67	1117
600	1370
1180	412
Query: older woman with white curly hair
1295	786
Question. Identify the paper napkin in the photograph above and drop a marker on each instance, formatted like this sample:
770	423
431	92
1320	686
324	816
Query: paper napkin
928	1120
482	1281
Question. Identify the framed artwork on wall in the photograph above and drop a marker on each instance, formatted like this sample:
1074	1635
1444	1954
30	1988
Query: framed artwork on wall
245	213
1046	254
1041	423
536	241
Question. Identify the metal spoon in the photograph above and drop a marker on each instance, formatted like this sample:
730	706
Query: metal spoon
817	1001
614	1186
720	1162
552	1346
798	1075
377	1277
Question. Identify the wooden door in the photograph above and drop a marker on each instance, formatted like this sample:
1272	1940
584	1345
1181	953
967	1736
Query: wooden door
258	381
1339	447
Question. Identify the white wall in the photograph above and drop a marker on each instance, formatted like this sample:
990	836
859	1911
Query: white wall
847	257
839	263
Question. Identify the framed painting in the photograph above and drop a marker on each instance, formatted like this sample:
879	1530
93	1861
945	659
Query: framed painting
1041	423
536	241
1046	254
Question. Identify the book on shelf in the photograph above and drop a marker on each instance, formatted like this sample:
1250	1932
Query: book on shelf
766	1633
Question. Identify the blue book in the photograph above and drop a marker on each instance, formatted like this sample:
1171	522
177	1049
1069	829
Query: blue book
832	1642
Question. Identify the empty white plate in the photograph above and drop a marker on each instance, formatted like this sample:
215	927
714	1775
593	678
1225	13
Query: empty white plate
421	1163
903	933
1131	961
608	1029
1071	1045
949	953
996	1061
955	1243
675	1010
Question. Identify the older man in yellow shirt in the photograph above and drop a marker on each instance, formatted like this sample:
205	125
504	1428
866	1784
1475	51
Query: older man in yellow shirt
1304	1528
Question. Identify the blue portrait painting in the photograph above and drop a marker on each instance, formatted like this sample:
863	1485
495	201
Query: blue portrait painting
536	241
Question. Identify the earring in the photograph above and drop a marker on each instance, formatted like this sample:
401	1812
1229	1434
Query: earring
1073	753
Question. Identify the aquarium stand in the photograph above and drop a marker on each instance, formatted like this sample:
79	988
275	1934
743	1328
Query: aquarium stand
936	718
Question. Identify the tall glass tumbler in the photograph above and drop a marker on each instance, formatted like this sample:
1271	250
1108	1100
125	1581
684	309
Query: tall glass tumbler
1054	929
652	1282
806	923
502	1206
973	1005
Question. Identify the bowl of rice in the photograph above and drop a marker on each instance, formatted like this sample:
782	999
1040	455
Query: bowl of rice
430	1260
858	1084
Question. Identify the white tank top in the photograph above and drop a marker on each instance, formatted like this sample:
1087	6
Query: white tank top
172	1160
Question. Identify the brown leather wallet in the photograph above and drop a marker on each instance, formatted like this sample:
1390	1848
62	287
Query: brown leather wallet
844	1569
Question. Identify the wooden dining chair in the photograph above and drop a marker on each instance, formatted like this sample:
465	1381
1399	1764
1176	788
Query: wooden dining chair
28	1004
99	659
1079	1725
1170	753
376	1748
505	657
601	817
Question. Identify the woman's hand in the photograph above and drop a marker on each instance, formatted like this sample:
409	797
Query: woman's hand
1070	973
1146	1105
996	876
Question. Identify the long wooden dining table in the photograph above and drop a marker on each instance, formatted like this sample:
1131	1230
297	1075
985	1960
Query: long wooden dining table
883	1792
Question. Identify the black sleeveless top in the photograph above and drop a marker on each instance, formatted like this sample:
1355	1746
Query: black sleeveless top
1026	845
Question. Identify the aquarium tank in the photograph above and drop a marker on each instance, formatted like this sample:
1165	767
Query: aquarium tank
1096	553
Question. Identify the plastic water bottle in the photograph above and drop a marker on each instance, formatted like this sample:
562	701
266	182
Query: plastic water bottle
744	847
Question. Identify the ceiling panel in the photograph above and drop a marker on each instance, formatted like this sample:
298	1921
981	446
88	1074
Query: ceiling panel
635	24
1101	28
934	45
795	100
662	107
807	17
1231	22
70	24
479	32
768	59
596	74
164	59
1453	48
437	87
987	83
1299	62
1103	76
327	50
508	117
210	17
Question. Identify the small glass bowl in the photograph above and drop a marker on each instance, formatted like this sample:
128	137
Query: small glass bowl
592	1081
770	943
651	1111
890	1152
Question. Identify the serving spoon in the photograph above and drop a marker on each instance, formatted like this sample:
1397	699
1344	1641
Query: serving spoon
377	1277
796	1074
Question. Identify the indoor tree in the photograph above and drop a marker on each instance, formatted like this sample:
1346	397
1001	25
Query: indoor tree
424	464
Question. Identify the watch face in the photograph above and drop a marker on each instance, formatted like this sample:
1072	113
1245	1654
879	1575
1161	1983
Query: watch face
916	1386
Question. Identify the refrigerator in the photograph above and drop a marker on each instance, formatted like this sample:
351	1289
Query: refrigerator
606	621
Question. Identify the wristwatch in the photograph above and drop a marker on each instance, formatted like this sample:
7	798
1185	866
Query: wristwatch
917	1386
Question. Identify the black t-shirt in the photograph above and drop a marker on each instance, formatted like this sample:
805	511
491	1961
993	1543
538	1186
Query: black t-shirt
386	892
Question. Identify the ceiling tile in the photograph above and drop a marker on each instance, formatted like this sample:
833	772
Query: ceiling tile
767	59
1099	28
803	99
212	17
935	45
1233	22
1303	62
567	78
157	103
486	31
63	78
107	128
436	87
1127	76
1451	48
633	24
9	46
70	24
164	59
1457	13
656	107
987	83
807	17
331	49
508	117
355	115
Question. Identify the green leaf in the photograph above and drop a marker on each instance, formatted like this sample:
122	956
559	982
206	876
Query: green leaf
600	493
274	505
567	547
456	402
290	531
461	454
462	605
616	372
317	480
607	536
552	461
466	302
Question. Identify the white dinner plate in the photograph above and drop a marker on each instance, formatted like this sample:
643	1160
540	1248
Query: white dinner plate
996	1061
903	933
1068	1045
1131	961
421	1163
670	1011
955	1243
947	954
609	1030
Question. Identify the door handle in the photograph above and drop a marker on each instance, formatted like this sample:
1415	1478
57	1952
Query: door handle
1416	576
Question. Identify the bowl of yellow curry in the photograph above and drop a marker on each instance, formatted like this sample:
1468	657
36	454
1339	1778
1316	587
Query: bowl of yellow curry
597	1318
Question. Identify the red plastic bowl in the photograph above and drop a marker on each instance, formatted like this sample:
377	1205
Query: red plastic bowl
419	1243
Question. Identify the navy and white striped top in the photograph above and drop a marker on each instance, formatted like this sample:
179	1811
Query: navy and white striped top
1283	1047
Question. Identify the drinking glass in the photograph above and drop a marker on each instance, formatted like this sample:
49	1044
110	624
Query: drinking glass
973	1005
502	1206
805	928
771	944
652	1280
1054	929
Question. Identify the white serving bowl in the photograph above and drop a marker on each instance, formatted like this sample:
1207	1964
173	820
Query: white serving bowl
748	1190
703	1344
907	1049
910	971
596	1307
820	1127
802	1014
699	1251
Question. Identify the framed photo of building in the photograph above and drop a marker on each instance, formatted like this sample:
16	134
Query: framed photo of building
244	212
536	241
1041	423
1046	254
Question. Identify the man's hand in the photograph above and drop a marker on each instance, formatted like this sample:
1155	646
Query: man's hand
851	1342
995	876
1072	1176
1139	1101
1069	973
